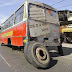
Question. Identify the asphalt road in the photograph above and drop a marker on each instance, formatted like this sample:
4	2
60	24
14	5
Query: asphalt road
14	61
4	67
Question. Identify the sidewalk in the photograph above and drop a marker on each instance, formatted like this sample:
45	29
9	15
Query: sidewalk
67	45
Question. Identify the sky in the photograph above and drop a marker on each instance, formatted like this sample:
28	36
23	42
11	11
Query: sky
7	7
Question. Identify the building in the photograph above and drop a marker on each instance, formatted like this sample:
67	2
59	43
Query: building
65	19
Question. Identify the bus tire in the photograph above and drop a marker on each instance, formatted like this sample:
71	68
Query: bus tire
38	55
14	47
2	44
26	51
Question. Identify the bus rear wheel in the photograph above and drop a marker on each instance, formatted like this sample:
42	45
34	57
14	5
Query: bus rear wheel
26	51
2	44
38	55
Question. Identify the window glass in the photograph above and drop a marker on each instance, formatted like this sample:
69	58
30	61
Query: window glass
11	20
36	12
19	14
6	24
3	27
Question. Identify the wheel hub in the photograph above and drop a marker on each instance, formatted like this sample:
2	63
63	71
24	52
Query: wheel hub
42	55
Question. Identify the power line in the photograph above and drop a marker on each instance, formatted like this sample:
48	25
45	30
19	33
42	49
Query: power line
57	2
65	6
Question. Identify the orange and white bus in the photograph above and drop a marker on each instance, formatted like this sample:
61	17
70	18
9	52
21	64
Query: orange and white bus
33	25
14	28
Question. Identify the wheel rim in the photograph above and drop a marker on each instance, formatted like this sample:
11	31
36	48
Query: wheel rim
42	55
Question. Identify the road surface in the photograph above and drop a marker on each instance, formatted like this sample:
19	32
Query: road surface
4	65
14	61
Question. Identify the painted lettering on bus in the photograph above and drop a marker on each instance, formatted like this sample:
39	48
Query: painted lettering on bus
37	25
7	34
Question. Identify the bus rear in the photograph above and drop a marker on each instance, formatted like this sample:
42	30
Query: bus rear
43	31
44	23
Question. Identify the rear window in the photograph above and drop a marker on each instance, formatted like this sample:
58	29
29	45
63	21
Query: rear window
36	12
19	14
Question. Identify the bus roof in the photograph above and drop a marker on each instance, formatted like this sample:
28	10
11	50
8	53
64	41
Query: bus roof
42	4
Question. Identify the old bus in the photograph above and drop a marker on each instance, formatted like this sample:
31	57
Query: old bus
35	26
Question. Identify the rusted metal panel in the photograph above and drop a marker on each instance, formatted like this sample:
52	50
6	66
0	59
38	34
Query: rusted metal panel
44	23
52	16
38	28
36	13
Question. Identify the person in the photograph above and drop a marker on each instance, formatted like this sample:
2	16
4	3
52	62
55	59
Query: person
60	50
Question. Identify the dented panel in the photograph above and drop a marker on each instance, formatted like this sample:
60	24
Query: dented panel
38	28
44	24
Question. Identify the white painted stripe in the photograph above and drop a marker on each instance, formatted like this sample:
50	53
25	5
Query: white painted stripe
5	60
67	58
67	45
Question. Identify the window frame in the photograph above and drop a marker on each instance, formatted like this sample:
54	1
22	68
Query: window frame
14	18
19	14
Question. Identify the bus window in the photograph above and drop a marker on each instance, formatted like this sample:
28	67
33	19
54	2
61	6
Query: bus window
11	21
36	12
2	27
19	15
6	24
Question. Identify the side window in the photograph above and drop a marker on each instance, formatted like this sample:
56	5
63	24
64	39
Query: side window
11	20
3	27
19	15
0	29
6	24
36	12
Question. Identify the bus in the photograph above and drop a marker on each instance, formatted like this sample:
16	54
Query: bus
35	26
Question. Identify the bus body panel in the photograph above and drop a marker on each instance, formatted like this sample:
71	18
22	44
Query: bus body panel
44	24
16	35
17	41
4	40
